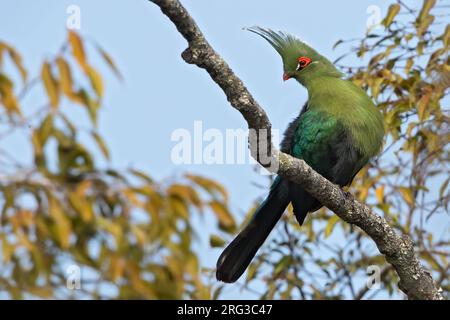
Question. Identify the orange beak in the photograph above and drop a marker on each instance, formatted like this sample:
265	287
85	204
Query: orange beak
286	76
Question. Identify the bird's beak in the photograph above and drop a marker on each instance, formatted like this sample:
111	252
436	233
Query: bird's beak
286	76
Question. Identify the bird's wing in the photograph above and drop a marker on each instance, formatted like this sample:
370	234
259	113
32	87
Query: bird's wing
326	145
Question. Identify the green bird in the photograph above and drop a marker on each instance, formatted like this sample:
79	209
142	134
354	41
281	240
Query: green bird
338	130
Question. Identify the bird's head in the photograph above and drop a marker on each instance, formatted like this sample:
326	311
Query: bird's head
300	61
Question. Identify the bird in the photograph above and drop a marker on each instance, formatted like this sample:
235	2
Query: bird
338	130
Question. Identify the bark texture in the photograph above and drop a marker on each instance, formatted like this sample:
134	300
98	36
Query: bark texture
415	281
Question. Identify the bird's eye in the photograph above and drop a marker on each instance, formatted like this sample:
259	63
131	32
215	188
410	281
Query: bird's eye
302	62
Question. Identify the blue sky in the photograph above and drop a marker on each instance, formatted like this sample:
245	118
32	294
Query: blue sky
161	93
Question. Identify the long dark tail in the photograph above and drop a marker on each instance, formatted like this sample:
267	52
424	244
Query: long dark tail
239	253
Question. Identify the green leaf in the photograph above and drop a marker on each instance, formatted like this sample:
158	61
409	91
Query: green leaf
283	264
216	242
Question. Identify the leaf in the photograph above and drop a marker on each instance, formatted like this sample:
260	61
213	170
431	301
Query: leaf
62	223
79	201
226	220
209	186
443	187
78	50
50	84
3	47
216	242
392	12
407	195
65	77
282	264
379	193
91	105
110	62
7	249
427	5
101	144
422	105
17	59
108	225
180	208
45	129
96	81
139	234
330	225
141	175
7	96
42	292
186	193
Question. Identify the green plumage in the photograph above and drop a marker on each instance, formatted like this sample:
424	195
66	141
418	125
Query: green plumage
336	133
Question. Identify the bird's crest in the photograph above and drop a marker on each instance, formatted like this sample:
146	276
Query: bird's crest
293	50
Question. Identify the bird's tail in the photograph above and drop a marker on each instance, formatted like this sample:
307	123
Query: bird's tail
239	253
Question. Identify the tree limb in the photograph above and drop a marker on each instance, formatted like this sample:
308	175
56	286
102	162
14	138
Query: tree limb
415	281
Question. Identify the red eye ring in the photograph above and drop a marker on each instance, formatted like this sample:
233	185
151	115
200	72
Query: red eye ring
304	61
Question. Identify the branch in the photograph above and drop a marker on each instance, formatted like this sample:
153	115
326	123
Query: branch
415	281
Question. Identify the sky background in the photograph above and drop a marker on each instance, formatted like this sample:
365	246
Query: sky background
161	93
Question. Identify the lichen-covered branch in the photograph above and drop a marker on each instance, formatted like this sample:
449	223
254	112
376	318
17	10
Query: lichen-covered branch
415	281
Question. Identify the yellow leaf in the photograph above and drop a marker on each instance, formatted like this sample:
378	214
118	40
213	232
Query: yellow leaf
422	105
407	195
62	223
96	81
427	5
17	59
226	220
179	207
45	129
79	201
3	47
330	225
7	249
117	267
379	192
50	84
65	77
209	185
186	193
363	192
42	292
78	49
111	227
139	234
131	196
392	12
7	96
